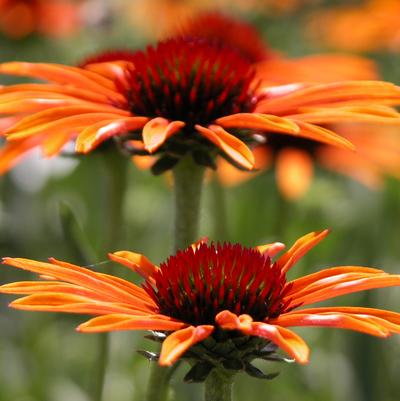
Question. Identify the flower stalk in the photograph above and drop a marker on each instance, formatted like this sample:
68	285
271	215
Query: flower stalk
218	386
188	183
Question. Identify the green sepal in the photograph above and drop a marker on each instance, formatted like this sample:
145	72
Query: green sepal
233	364
164	164
203	158
251	370
198	373
151	356
157	336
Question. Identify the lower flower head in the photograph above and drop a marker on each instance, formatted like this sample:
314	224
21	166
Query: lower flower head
214	304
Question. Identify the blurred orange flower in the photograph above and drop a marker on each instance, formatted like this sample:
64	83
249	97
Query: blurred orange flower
371	26
20	18
377	156
210	293
272	66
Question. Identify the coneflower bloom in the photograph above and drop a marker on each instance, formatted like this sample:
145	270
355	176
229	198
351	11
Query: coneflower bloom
294	160
372	25
20	18
184	95
217	304
274	67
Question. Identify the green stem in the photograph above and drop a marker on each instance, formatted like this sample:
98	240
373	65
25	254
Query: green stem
218	209
115	184
218	386
188	183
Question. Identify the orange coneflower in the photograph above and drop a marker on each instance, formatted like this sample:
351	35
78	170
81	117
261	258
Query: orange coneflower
371	26
180	96
20	18
208	295
377	156
272	66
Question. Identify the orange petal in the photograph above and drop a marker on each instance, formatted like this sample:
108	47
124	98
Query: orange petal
283	338
70	303
359	323
230	176
135	261
334	94
177	343
300	248
12	152
393	317
128	322
95	134
228	143
294	172
65	75
80	93
369	114
323	135
271	249
258	121
158	130
328	275
333	290
56	113
52	144
71	125
87	279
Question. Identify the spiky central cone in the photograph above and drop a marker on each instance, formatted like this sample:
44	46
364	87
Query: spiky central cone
190	80
194	285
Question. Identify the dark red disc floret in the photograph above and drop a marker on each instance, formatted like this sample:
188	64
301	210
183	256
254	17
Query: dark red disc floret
191	80
194	285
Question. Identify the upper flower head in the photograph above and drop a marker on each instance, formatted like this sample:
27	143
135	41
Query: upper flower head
211	295
181	96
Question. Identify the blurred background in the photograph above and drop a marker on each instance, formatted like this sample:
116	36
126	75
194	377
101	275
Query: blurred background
63	207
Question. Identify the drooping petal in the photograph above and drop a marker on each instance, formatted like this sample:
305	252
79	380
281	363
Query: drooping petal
97	133
229	144
158	130
87	279
258	121
323	135
229	175
135	261
365	320
177	343
282	337
113	322
300	248
294	172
